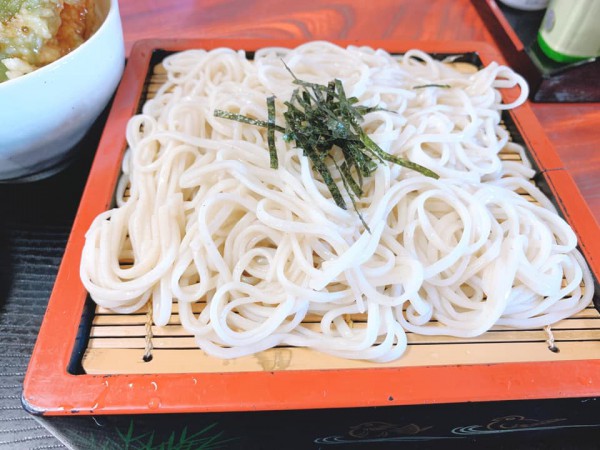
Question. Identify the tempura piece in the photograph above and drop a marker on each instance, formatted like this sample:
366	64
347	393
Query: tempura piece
34	33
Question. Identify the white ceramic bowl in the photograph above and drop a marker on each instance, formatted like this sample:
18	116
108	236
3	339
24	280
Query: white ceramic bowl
45	113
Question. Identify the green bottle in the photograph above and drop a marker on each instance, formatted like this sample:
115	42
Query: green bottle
570	30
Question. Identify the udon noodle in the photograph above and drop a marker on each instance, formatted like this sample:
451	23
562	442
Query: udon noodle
272	257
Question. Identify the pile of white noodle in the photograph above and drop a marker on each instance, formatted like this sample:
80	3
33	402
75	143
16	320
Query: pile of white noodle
278	263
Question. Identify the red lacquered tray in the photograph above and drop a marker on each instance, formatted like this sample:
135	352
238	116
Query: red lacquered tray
57	383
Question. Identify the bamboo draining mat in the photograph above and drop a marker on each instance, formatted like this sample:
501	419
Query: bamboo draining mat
117	346
118	342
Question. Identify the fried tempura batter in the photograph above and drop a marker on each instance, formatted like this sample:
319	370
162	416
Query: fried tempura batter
34	33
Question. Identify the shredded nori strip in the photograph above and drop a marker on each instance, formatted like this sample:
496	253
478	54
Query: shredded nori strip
271	132
245	119
325	124
421	86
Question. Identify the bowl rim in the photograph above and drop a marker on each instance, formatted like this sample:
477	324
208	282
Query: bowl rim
113	10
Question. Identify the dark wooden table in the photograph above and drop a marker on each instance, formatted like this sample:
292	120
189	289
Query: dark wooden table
34	228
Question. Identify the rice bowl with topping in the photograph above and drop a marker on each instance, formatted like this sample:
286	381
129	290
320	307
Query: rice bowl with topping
48	110
34	33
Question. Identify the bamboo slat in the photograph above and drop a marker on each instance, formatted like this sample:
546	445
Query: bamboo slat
175	360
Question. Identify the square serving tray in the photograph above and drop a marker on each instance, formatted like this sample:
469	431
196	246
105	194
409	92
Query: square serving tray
90	361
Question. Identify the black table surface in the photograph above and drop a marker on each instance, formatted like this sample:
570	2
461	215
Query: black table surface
35	222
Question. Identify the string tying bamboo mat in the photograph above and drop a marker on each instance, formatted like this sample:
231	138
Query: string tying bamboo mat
130	344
